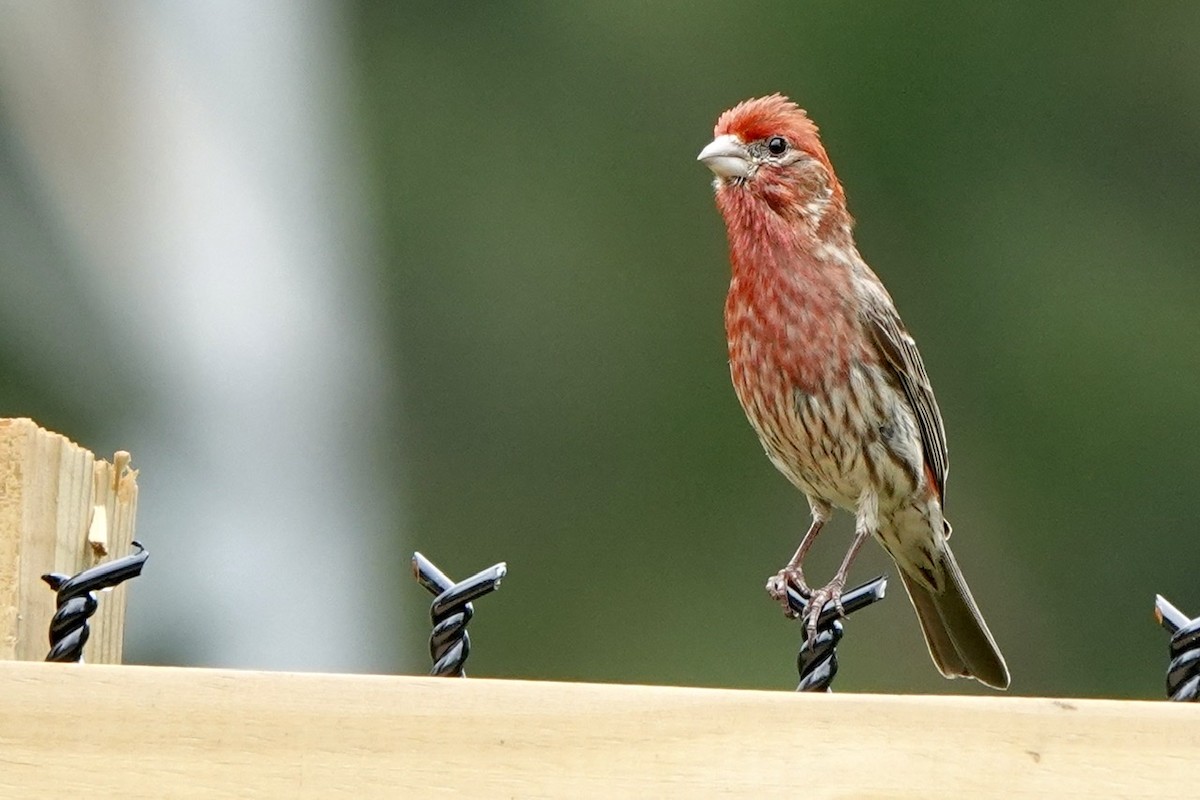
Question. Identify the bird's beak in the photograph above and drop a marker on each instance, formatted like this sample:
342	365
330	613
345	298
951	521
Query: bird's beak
727	157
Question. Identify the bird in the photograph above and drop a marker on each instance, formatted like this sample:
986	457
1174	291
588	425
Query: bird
832	381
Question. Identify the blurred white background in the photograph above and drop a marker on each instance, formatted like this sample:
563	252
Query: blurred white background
204	183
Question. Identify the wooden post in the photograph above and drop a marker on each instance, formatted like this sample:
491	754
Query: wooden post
61	510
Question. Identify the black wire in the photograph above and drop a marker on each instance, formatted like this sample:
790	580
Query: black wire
451	610
1183	669
76	601
817	660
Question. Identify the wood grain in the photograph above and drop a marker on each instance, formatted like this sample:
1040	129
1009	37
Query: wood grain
112	731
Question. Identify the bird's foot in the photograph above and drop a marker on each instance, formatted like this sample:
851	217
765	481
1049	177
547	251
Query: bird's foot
829	593
777	586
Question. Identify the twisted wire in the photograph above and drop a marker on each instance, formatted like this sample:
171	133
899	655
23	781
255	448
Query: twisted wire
817	660
451	610
76	602
1183	670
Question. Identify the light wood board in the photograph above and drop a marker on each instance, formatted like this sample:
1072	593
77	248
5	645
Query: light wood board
113	731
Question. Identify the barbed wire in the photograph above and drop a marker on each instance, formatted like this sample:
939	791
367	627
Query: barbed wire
69	630
817	660
1183	670
451	610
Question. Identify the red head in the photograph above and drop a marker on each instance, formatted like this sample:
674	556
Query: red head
769	148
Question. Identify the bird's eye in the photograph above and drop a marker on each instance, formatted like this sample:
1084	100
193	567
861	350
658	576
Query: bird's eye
777	145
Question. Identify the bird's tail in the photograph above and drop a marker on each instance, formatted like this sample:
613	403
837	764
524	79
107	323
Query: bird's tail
959	640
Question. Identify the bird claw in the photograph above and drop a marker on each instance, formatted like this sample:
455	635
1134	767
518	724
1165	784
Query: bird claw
777	587
830	593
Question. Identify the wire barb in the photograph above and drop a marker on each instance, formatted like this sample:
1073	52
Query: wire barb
817	660
76	601
1183	671
451	610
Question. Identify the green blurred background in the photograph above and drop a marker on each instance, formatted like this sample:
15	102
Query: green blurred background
547	273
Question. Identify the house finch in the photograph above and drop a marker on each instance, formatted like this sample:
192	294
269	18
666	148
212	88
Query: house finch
830	379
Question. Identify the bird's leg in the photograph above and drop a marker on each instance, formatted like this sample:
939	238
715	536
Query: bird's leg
833	590
866	522
793	573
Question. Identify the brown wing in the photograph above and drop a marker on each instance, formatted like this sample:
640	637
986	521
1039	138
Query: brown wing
901	354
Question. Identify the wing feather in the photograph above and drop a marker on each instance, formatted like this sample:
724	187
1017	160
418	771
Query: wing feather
900	353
